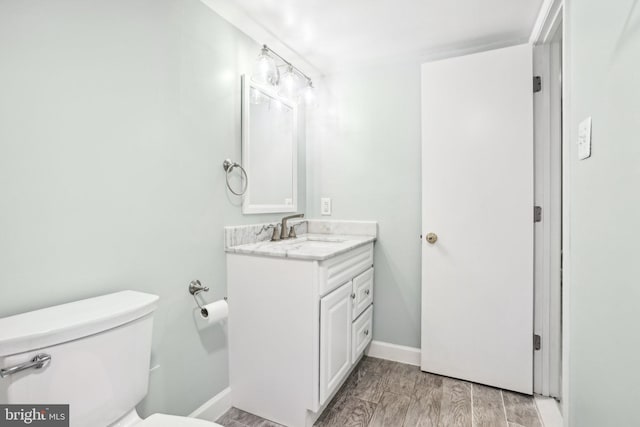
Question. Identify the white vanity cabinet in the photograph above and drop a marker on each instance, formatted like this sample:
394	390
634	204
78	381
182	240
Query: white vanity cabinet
297	327
345	330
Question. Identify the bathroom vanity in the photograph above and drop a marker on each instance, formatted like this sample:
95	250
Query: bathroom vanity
300	315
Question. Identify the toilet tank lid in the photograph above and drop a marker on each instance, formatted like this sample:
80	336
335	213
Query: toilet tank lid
66	322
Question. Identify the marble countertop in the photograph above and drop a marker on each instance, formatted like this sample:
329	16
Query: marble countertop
310	246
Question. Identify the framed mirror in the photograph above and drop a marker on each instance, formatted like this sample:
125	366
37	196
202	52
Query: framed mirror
269	150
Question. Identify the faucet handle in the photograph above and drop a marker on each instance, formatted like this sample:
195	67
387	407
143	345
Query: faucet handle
292	232
276	235
264	228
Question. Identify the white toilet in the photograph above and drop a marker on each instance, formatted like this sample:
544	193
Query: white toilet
95	356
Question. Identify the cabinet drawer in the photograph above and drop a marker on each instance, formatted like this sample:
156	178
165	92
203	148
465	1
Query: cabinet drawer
363	290
338	270
361	333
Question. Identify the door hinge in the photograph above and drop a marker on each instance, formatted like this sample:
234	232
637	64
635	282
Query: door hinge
536	342
537	213
537	84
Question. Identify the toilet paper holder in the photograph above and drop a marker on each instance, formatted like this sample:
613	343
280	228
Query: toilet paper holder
195	288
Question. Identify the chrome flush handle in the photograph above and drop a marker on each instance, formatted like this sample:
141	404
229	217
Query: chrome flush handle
36	363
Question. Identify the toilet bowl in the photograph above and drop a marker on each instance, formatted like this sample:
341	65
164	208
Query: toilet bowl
92	355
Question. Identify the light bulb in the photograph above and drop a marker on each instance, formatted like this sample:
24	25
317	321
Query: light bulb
309	94
288	84
265	70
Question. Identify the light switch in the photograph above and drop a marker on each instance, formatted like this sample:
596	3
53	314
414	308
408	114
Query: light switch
325	206
584	139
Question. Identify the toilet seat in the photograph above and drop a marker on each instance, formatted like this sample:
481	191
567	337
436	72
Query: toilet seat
163	420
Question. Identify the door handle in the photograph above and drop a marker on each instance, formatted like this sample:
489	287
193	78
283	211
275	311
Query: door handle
432	238
36	363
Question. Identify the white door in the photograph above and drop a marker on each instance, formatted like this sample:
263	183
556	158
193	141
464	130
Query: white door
477	197
335	339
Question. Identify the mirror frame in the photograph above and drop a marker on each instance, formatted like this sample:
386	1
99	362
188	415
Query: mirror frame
247	206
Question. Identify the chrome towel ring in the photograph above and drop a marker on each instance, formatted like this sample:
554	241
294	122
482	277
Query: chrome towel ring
228	165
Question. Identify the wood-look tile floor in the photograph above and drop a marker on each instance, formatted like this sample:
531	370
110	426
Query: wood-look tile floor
383	393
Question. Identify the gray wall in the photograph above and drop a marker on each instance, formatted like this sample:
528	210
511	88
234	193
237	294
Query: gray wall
604	197
115	116
364	152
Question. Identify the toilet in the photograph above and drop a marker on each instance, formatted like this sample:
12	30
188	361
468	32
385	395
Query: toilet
93	355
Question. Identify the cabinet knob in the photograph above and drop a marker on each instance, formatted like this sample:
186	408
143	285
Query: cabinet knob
353	295
366	332
367	292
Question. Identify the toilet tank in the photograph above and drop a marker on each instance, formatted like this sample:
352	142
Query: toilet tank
100	351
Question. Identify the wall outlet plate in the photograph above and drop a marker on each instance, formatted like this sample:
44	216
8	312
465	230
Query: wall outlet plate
584	139
325	206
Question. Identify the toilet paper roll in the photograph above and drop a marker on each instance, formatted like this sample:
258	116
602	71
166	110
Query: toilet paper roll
215	312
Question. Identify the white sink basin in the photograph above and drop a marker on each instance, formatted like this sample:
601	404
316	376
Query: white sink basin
319	239
311	241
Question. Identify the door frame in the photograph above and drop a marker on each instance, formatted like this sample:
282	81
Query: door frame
551	173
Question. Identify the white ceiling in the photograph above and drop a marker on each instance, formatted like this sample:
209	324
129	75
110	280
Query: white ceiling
330	34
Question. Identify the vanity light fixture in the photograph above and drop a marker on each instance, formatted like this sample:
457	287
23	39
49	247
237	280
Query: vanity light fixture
265	71
289	84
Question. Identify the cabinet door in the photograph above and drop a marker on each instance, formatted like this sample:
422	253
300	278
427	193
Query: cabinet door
335	339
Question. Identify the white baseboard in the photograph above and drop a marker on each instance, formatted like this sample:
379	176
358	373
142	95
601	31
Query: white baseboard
215	407
394	352
549	411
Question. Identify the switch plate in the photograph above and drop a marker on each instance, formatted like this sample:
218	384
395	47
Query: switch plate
584	139
325	206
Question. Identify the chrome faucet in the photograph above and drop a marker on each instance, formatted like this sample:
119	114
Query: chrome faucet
284	234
